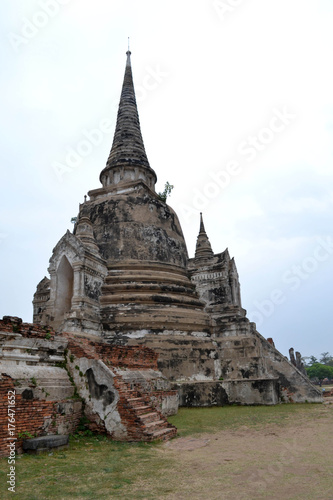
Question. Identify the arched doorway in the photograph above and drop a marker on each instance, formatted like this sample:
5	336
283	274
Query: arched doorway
64	290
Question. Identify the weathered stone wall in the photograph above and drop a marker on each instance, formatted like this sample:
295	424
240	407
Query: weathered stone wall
183	356
224	392
198	394
247	358
295	386
135	226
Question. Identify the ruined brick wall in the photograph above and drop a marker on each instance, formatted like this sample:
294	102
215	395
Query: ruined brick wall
36	417
52	414
13	324
134	357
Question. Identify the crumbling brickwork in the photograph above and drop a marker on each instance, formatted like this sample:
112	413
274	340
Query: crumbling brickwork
134	357
13	324
35	417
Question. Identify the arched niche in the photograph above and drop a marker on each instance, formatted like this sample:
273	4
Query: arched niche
64	289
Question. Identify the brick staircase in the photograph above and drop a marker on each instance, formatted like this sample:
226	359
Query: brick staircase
144	422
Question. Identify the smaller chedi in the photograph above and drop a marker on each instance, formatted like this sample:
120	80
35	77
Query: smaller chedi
124	276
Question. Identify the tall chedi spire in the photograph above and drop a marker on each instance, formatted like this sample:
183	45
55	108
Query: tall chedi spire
128	161
147	287
203	248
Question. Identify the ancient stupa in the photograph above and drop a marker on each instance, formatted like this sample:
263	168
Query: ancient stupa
124	275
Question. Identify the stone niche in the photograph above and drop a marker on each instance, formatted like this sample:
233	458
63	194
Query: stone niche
76	275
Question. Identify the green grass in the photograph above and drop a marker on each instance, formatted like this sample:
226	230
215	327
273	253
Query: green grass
94	467
190	421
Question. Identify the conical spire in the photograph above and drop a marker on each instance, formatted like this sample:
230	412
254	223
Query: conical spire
128	160
202	227
203	248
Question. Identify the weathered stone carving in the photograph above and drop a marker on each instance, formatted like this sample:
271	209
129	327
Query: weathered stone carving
92	288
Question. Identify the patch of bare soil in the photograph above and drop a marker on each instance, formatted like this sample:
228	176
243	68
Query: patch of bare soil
293	461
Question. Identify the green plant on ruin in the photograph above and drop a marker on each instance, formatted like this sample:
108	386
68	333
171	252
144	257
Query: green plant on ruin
65	366
82	428
61	364
78	369
76	395
48	335
71	358
24	435
33	381
167	191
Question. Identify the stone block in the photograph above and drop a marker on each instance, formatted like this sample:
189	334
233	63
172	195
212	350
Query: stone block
43	444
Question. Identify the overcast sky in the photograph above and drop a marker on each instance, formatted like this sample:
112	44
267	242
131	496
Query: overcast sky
236	110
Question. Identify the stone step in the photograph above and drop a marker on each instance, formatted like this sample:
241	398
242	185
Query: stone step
158	424
143	410
164	434
137	404
150	417
151	423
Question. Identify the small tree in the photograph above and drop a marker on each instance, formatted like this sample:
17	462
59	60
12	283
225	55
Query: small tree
167	191
326	358
312	361
319	371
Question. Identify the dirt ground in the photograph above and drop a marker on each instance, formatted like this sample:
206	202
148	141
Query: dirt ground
293	461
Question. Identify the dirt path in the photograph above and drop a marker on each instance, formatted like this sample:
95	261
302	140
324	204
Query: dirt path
289	462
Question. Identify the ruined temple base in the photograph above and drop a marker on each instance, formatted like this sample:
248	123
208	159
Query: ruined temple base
234	365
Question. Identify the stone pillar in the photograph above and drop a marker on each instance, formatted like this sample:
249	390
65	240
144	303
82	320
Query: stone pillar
292	356
299	363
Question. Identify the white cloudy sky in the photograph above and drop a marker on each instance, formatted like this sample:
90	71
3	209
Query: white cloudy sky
210	78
